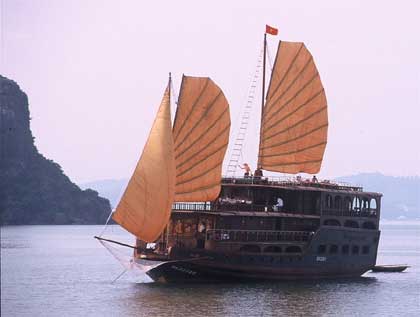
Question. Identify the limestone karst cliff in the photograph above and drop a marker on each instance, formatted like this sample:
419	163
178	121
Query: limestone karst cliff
34	189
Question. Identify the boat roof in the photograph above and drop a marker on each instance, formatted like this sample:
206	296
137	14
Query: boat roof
296	183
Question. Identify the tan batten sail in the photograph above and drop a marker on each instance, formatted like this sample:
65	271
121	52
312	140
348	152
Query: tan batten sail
145	207
295	120
201	136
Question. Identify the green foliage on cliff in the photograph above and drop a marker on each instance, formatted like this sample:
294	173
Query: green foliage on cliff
33	189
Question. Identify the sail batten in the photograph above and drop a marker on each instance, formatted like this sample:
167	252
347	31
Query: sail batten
197	123
178	131
189	159
301	121
226	128
295	119
197	163
279	108
201	136
296	151
270	102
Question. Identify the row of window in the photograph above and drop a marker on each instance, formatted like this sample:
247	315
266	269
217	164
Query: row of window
345	249
357	203
350	224
251	248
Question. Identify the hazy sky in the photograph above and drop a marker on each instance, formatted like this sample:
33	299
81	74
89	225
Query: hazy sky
95	72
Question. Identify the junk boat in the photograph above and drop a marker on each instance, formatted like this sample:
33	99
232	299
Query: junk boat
193	224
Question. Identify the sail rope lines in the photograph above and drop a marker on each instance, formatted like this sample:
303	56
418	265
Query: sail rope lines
246	109
106	223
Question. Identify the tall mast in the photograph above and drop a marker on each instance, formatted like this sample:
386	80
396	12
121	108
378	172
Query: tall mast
262	97
169	86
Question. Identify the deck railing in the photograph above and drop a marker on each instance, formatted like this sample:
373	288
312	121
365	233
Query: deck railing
230	207
371	213
290	181
258	235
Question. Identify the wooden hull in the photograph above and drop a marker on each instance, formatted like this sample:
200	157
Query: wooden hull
199	265
196	271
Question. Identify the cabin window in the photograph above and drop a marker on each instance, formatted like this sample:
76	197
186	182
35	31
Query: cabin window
356	204
347	203
373	203
345	249
333	249
332	222
250	248
322	248
355	249
373	206
293	249
337	202
369	225
365	249
365	203
273	249
328	202
351	224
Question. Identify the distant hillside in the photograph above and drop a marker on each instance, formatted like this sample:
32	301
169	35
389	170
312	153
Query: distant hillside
109	188
401	194
33	189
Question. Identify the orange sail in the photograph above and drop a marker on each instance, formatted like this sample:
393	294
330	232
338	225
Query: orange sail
145	206
295	119
201	136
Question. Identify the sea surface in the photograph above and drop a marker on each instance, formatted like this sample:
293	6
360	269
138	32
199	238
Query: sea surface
63	271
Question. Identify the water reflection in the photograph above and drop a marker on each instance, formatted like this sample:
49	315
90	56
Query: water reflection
252	298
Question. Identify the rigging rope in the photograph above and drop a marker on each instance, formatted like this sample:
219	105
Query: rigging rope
246	114
106	223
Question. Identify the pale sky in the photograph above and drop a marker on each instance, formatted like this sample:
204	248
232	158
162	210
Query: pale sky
95	72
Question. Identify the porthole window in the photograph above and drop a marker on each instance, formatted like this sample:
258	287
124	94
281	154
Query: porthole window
345	249
273	249
351	224
365	249
332	222
333	249
322	249
293	249
369	225
355	249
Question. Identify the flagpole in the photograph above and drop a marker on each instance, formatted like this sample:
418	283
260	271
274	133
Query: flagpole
262	98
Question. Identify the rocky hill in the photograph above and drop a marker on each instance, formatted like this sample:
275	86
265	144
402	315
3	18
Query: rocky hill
33	189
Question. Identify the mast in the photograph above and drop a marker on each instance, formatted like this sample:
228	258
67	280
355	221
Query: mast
169	86
262	97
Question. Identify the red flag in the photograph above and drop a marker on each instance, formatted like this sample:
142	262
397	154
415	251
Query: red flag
271	30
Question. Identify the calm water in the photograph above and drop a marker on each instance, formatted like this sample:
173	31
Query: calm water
63	271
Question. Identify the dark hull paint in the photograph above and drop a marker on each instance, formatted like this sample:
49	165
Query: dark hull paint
213	266
184	271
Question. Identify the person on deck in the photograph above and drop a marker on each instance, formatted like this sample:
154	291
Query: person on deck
246	168
314	179
258	172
